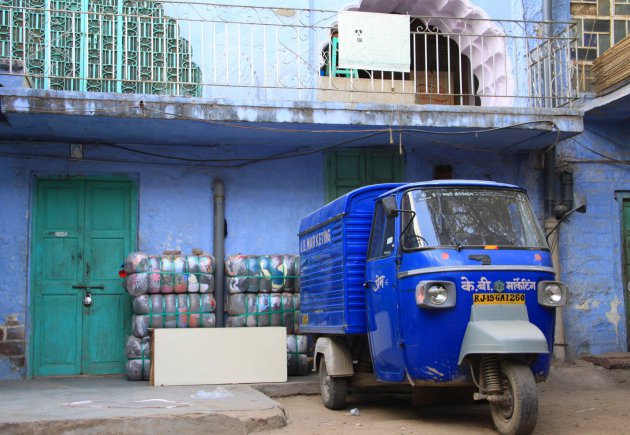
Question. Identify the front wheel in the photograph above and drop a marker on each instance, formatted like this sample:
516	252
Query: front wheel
333	389
518	411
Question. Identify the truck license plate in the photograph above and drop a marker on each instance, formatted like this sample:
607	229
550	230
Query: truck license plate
502	298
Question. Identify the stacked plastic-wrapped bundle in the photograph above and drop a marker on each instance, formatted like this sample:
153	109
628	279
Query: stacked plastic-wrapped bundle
169	291
138	351
187	310
297	355
168	274
263	290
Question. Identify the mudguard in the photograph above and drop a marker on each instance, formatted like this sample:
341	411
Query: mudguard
491	332
336	354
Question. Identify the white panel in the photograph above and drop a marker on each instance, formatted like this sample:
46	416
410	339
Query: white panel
219	356
374	41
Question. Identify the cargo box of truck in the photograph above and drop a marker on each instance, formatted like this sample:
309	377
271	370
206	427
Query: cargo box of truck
333	247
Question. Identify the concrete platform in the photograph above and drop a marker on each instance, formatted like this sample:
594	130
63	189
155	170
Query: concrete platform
611	360
113	405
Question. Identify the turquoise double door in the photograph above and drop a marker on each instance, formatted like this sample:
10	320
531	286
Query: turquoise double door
82	231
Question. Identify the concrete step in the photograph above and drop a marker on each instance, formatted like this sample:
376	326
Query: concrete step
296	385
611	360
114	405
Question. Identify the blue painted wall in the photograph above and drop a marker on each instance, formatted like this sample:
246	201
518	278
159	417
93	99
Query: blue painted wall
14	233
264	204
591	243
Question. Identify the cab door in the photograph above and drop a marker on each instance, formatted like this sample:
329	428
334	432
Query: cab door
386	346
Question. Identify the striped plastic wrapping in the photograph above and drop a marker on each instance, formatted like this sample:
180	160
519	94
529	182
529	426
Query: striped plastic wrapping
262	290
167	274
263	309
189	310
262	274
297	355
138	369
138	352
140	324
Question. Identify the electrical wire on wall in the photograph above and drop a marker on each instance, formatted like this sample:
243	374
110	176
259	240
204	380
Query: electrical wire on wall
606	159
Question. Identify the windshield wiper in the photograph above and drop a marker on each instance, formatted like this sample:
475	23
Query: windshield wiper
441	220
458	245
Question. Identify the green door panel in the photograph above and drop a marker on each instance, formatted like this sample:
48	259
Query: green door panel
58	262
109	206
626	286
59	267
108	216
349	169
83	230
108	310
345	171
383	167
103	344
57	343
62	205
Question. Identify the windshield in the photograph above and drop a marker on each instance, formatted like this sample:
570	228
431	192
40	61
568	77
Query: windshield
469	217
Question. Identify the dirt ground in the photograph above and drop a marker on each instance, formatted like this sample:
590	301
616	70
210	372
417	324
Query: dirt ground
576	399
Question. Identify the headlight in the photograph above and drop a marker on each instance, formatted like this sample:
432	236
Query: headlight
552	294
435	294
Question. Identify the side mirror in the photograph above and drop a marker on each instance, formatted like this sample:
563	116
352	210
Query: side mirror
389	205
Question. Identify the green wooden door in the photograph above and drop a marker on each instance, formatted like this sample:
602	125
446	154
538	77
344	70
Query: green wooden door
83	231
626	244
349	169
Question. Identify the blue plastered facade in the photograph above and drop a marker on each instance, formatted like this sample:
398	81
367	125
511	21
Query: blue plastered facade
591	244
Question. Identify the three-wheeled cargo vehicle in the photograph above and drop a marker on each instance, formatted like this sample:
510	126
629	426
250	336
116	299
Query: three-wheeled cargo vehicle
441	283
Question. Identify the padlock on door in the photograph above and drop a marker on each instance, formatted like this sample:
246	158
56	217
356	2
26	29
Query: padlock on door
87	300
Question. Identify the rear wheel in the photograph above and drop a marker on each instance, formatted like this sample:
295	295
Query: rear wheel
333	389
518	411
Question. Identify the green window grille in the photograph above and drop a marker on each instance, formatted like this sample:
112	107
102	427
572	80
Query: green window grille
99	46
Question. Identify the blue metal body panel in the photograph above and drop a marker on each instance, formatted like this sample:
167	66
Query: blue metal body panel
432	338
333	247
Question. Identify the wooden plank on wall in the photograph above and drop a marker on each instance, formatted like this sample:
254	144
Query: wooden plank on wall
219	356
612	68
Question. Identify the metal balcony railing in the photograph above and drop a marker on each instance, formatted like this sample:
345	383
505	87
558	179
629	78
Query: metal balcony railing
269	54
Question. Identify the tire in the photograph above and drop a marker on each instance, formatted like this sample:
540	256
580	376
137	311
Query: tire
517	414
333	389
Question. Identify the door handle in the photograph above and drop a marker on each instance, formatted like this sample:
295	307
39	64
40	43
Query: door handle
87	287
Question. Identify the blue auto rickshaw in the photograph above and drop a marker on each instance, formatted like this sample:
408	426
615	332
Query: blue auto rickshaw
431	284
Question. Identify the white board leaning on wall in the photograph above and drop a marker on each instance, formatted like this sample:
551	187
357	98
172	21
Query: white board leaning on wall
372	41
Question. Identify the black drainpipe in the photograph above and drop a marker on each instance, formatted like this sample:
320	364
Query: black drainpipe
549	182
566	197
219	248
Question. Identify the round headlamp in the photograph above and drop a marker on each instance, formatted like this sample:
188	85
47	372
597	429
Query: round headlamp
438	294
553	294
